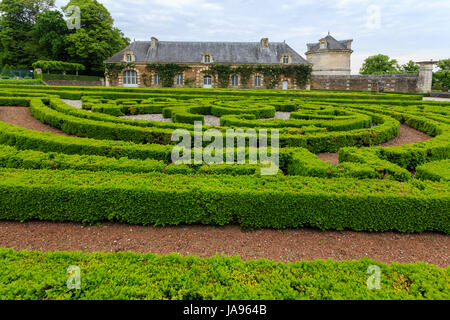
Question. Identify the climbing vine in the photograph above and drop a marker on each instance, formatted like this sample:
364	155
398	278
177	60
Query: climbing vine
272	75
113	70
167	71
222	71
245	72
300	73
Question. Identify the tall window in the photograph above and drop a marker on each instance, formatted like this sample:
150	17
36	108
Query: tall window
156	80
129	58
285	59
207	58
130	77
234	80
179	79
257	81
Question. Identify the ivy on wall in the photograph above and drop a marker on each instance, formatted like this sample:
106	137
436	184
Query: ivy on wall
113	70
272	73
167	71
222	71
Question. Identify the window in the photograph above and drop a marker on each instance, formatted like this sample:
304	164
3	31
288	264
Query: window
129	59
179	79
285	59
207	58
234	81
257	81
323	45
130	78
156	79
207	82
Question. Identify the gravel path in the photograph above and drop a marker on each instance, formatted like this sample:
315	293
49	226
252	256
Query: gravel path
148	117
204	241
74	103
21	116
407	135
436	99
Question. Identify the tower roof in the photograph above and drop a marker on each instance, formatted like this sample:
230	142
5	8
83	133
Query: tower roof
331	44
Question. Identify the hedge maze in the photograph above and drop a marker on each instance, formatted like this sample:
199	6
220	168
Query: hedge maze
109	167
118	169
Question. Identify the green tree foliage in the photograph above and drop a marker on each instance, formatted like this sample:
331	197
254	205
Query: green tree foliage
441	78
50	31
18	47
379	64
410	67
97	39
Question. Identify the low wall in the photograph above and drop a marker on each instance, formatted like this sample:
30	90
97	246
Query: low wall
385	82
74	83
440	95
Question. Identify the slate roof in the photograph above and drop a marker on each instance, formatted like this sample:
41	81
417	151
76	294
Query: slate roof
222	52
332	44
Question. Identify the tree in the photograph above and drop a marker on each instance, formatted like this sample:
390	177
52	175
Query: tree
17	18
97	39
441	78
379	64
410	67
50	31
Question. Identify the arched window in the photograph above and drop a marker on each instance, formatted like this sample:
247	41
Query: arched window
130	78
285	59
207	58
207	82
156	80
257	81
179	79
234	80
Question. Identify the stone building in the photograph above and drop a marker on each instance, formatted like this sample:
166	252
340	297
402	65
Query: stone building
198	56
330	56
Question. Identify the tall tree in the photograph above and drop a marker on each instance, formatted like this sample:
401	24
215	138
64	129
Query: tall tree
17	17
410	67
379	64
97	39
50	31
441	78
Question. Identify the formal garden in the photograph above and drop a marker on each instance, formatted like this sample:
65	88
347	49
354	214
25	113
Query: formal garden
108	159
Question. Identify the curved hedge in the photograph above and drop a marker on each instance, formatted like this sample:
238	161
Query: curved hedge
265	202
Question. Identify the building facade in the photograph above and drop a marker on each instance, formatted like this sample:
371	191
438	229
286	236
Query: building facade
330	56
198	56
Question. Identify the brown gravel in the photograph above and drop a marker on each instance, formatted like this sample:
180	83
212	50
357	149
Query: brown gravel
21	116
407	135
204	241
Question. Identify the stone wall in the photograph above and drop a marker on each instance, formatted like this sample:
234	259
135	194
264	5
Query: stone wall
386	83
74	83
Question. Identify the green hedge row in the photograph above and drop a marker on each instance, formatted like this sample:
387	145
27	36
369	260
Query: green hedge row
33	275
436	171
264	202
11	157
320	142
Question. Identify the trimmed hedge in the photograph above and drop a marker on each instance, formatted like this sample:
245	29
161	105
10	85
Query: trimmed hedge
264	202
435	171
33	275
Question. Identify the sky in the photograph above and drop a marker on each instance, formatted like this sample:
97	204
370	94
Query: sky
402	29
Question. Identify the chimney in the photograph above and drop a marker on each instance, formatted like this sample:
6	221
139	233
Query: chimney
264	42
349	44
154	43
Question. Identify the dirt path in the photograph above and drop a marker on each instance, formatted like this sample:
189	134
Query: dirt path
204	241
21	116
407	135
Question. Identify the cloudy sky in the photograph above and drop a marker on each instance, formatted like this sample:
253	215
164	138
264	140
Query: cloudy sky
403	29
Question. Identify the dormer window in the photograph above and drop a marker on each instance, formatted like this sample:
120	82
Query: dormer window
323	44
128	57
286	59
207	58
